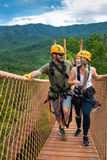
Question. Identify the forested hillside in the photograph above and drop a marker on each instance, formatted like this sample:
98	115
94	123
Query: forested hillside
23	48
25	58
13	36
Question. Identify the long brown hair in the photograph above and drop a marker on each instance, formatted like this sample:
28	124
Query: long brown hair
84	62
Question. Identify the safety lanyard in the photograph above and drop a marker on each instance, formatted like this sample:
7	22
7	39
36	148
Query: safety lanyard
58	110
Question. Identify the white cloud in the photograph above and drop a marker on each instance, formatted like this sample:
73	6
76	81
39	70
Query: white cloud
5	5
52	6
55	18
71	12
67	3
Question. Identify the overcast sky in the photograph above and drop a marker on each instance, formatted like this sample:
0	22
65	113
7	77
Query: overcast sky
53	12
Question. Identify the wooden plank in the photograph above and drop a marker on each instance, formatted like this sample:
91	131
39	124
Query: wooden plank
44	157
70	149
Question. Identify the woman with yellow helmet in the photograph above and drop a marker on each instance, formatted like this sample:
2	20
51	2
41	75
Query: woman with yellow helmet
83	98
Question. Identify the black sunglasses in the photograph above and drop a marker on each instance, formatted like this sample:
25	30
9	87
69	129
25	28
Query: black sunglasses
60	54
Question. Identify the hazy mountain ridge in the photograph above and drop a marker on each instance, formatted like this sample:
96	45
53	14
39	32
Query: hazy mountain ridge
11	36
25	48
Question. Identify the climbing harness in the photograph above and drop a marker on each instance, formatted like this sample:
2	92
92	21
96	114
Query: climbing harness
78	97
51	67
56	113
94	104
60	97
61	94
97	107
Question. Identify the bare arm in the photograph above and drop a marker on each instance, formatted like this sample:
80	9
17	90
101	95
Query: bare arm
96	76
71	80
35	73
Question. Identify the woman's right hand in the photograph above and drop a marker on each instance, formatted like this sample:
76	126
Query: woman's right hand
77	83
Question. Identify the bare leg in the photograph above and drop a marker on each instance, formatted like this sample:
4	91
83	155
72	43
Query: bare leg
66	114
59	120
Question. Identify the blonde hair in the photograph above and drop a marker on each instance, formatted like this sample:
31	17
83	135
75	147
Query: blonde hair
84	62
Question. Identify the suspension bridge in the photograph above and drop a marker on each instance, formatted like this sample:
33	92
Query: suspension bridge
27	134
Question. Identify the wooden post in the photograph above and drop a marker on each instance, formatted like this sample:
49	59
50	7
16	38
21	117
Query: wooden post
80	44
54	41
64	44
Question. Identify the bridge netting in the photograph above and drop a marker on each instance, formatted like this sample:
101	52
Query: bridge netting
24	124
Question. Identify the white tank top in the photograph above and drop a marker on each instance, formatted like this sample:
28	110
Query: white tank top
89	83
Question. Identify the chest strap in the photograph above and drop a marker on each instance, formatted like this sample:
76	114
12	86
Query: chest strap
62	71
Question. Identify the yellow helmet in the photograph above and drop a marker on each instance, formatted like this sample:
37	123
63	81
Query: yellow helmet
56	48
85	54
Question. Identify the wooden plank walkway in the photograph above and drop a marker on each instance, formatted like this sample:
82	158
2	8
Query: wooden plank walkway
71	149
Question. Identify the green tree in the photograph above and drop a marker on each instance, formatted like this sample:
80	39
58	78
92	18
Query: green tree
98	47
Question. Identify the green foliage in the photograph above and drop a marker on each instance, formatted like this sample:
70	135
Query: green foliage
43	121
25	59
26	48
72	47
13	36
97	45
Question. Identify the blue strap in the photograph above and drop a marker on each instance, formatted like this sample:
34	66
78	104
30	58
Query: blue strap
88	100
54	112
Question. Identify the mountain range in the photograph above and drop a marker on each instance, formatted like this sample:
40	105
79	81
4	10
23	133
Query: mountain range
25	48
12	36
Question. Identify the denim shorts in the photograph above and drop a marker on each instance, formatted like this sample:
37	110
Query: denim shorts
65	103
